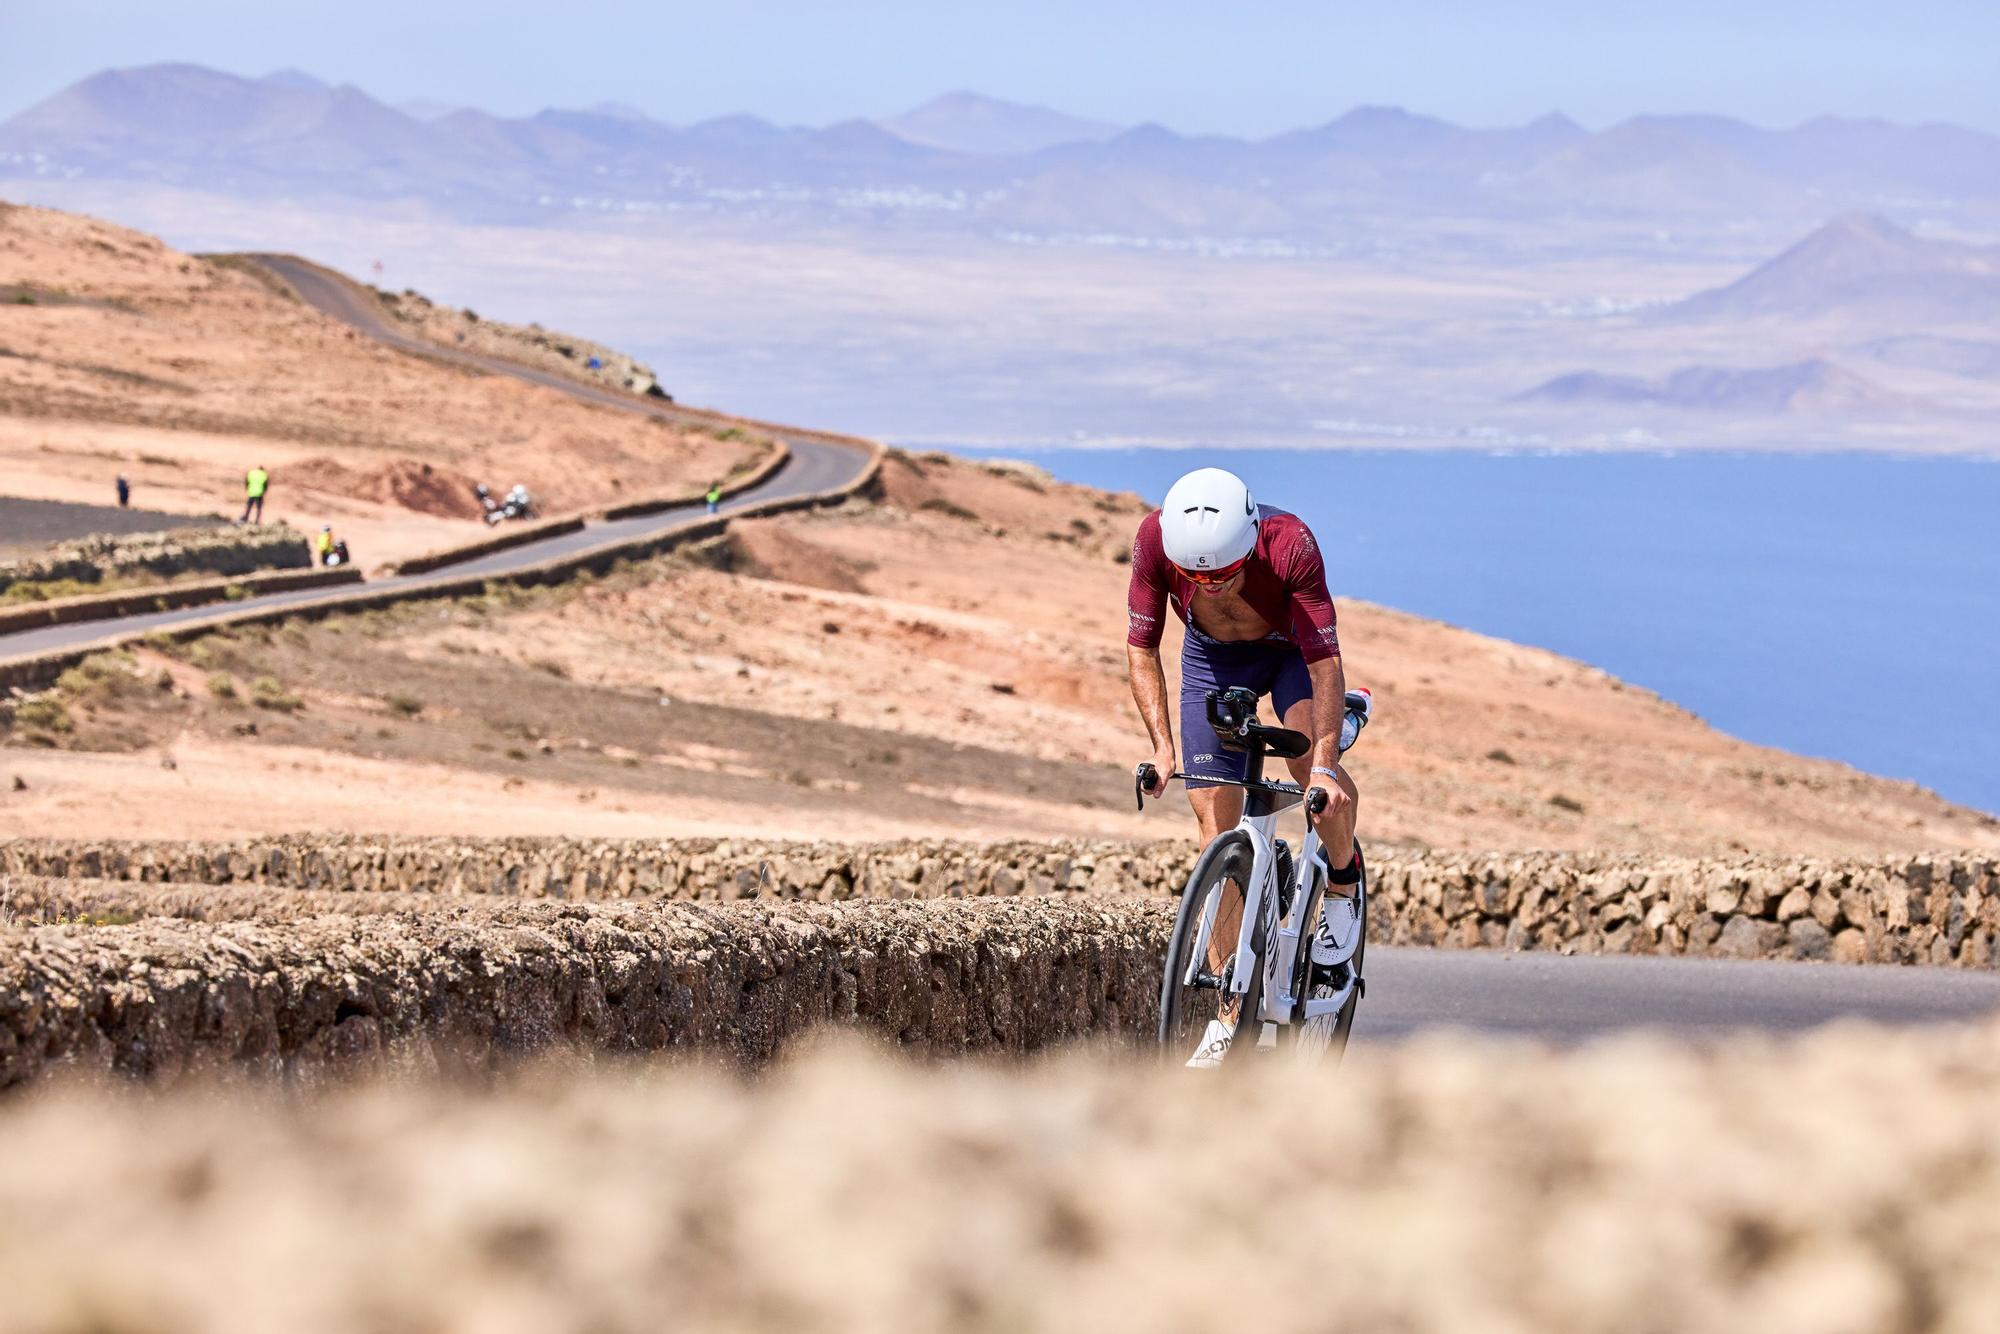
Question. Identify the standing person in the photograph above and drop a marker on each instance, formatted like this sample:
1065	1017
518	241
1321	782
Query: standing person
124	491
1248	581
714	497
255	483
324	544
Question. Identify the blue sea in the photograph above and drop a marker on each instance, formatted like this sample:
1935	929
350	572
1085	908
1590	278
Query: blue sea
1831	604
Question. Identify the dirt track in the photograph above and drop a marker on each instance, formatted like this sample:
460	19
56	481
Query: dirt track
1841	1183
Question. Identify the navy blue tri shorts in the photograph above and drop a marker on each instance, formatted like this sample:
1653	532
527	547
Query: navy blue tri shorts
1272	666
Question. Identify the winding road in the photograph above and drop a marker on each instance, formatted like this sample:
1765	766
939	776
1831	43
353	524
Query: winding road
1530	995
1560	998
816	466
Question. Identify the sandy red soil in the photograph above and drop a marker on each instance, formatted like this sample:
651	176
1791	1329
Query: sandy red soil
947	658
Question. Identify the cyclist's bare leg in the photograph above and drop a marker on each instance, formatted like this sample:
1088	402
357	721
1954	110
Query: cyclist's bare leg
1341	832
1217	809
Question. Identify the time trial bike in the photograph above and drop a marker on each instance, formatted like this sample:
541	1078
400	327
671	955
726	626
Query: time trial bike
1285	999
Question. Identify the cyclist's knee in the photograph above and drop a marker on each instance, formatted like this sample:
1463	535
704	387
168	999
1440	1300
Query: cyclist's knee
1215	808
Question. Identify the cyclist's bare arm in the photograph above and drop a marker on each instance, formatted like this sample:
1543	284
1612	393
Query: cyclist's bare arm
1149	692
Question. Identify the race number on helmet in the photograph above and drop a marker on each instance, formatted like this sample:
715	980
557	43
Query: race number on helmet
1208	520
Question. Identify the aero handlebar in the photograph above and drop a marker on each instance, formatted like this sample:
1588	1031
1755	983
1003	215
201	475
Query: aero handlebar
1147	773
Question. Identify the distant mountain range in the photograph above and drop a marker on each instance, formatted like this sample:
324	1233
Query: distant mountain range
1815	386
1859	272
1867	268
972	123
968	160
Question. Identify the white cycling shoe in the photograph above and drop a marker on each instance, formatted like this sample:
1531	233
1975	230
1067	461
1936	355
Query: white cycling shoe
1339	928
1213	1047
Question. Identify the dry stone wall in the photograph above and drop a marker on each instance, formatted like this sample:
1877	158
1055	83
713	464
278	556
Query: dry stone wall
623	868
466	984
1938	909
223	550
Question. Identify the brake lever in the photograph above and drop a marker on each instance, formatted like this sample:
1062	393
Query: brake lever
1142	778
1316	801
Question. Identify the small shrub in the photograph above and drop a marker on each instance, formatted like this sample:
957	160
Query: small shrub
1499	756
516	753
98	919
551	666
96	676
409	706
222	685
201	654
43	713
46	590
1562	803
24	299
939	505
235	593
266	692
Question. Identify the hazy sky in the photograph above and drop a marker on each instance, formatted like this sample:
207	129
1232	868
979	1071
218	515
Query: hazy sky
1245	67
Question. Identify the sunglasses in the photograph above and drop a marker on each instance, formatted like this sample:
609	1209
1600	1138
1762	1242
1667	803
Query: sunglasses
1214	578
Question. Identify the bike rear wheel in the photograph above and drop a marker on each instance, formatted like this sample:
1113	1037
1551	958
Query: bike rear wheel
1327	1036
1185	1009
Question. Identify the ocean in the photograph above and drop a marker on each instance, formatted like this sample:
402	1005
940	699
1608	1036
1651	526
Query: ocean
1837	605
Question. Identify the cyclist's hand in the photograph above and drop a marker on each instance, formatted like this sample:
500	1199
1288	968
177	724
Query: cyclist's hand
1164	762
1152	776
1335	815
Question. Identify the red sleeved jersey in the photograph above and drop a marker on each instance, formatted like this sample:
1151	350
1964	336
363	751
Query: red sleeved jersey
1284	581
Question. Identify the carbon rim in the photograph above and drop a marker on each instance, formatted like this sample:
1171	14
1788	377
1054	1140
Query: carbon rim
1184	1010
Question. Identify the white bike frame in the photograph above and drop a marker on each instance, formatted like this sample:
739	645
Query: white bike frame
1260	903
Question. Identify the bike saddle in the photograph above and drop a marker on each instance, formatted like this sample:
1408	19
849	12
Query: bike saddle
1233	714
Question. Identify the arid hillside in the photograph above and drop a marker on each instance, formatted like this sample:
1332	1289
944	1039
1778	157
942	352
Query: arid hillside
118	354
945	658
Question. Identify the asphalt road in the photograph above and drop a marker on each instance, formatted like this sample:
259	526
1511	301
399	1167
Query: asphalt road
1568	999
815	465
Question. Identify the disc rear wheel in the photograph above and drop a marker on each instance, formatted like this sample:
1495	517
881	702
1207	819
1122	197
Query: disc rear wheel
1326	1036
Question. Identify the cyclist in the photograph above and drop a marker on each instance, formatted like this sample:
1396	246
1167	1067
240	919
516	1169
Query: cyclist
1248	582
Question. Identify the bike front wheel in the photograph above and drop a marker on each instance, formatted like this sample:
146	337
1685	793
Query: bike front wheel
1186	1006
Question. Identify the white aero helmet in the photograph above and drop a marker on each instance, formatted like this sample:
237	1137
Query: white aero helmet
1208	521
